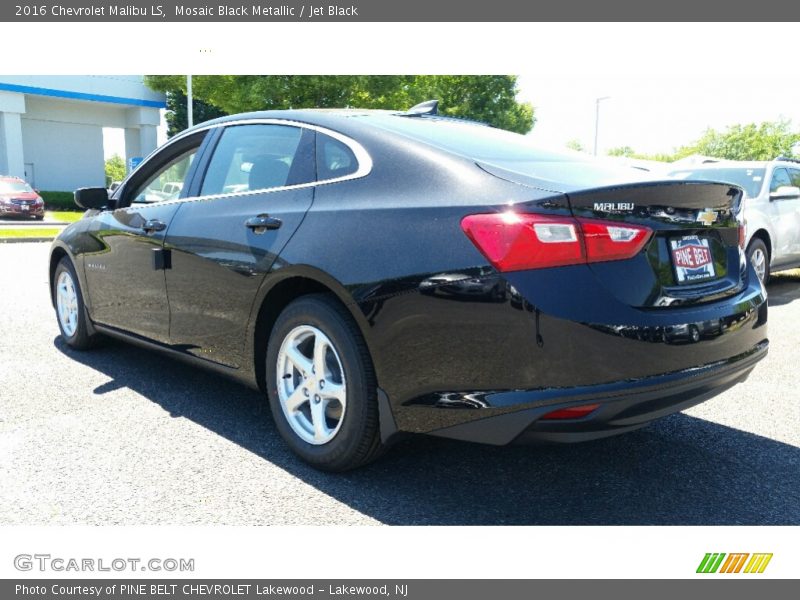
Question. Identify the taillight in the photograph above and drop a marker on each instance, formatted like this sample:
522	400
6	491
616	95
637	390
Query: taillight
742	235
520	241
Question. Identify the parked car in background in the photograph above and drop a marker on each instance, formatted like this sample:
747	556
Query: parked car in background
380	273
18	199
771	207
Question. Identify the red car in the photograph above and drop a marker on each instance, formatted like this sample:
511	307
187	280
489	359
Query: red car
19	199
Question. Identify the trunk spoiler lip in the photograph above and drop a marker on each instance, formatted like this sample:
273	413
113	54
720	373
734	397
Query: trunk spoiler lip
562	187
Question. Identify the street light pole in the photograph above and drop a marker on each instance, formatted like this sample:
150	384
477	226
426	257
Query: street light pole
190	112
597	119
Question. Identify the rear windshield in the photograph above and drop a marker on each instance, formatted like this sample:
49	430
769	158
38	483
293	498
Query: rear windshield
750	180
514	153
14	187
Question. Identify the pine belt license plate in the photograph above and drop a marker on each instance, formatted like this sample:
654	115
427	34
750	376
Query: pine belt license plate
691	257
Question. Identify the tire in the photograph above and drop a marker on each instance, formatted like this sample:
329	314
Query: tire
70	310
758	255
333	424
38	217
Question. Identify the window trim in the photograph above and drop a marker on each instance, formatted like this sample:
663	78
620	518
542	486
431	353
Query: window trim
363	158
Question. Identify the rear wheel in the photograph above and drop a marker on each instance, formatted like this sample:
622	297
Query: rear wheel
758	256
321	385
70	310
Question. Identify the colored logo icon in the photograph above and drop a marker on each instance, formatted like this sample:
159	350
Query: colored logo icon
742	562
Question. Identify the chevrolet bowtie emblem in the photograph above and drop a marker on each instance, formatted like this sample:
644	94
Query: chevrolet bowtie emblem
706	217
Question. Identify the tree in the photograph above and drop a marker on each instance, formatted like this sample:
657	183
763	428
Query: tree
488	98
575	145
765	141
178	114
115	169
626	151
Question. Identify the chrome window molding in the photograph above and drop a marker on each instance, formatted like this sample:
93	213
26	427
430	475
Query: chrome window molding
363	159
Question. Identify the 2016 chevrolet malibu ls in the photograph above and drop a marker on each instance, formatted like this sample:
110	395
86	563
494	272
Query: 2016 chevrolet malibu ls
300	252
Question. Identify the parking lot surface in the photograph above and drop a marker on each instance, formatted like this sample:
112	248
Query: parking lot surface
120	435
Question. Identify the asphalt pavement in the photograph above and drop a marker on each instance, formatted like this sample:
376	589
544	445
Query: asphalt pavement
120	435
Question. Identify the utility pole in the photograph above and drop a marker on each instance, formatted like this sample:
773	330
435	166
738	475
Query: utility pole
190	113
597	119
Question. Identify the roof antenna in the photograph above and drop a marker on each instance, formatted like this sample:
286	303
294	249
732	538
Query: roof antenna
429	107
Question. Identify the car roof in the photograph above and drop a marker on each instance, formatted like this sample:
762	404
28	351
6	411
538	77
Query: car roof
334	118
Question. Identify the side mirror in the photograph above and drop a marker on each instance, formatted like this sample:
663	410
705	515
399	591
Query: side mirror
785	192
91	197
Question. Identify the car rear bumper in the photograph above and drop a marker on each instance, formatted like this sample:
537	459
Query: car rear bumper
449	364
623	406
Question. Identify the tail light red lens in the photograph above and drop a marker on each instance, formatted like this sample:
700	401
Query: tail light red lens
521	241
574	412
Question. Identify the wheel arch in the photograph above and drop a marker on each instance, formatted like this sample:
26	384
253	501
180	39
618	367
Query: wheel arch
56	254
283	289
763	235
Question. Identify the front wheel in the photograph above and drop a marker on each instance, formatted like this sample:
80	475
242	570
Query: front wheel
321	385
758	256
70	311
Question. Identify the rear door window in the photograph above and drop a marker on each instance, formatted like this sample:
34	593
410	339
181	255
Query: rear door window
259	157
794	175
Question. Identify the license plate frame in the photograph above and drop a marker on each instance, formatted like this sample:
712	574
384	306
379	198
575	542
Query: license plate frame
692	260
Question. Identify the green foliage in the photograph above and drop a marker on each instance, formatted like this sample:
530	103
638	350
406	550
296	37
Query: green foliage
575	145
622	151
59	200
765	141
115	169
488	98
178	115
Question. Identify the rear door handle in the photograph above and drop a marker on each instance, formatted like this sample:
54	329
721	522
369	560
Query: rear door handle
152	225
263	222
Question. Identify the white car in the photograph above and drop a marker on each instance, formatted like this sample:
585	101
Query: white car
771	207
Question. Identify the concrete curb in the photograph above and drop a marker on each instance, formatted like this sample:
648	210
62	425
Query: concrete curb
24	224
23	240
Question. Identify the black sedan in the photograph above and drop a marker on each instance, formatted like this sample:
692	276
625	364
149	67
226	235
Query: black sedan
300	252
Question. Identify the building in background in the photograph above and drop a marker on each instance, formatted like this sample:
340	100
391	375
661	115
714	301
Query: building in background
51	126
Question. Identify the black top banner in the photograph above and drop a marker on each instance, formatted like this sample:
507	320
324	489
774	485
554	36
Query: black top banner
398	11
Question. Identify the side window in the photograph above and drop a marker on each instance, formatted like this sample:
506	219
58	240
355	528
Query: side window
254	157
794	175
167	183
779	178
334	159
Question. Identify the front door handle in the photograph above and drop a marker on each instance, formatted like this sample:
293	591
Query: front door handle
263	222
152	225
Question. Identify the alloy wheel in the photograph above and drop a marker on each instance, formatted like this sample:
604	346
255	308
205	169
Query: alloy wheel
67	303
759	261
311	385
